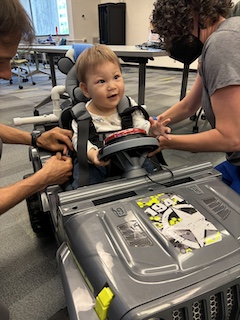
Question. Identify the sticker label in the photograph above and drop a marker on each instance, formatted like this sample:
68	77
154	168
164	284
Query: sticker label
179	222
134	235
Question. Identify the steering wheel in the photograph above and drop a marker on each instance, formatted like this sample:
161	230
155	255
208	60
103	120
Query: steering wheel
128	149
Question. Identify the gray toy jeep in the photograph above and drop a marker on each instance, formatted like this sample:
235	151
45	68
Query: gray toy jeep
159	247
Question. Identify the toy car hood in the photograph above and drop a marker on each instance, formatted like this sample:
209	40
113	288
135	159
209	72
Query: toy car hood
159	249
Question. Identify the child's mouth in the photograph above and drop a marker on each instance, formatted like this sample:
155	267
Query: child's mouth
112	96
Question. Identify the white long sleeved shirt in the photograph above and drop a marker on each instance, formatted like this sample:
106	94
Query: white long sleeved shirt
110	124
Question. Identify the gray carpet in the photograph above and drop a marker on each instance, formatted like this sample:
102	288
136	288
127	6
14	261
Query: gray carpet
29	281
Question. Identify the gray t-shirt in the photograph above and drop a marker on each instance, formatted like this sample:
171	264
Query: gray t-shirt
220	67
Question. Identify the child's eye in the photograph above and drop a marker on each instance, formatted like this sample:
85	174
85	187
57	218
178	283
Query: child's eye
116	76
101	81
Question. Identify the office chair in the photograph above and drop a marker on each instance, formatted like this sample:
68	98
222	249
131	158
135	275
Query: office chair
18	64
196	117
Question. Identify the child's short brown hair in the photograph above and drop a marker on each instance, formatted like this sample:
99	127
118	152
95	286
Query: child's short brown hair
92	57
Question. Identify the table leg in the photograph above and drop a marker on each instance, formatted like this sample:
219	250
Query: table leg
184	81
141	75
52	69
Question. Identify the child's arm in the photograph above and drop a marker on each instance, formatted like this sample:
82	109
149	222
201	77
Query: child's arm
159	127
93	157
153	127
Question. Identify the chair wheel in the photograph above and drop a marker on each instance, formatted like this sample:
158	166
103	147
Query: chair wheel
11	81
20	87
25	80
34	83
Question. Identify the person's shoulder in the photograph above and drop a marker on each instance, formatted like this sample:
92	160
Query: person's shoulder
231	24
225	36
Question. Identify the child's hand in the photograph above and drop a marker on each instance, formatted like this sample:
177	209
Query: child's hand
93	157
159	127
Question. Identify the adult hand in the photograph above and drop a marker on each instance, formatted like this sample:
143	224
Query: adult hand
57	170
56	139
161	141
159	127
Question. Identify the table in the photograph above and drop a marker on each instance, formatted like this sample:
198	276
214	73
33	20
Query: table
140	56
126	53
52	51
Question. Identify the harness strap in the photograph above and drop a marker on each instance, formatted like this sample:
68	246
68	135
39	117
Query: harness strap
87	131
126	116
83	119
83	128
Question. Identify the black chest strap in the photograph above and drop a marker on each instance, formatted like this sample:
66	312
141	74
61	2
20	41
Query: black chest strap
87	131
126	116
83	119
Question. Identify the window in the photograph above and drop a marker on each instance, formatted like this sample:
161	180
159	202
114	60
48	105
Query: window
48	16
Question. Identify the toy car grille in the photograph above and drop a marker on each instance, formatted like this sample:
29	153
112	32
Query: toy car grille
214	307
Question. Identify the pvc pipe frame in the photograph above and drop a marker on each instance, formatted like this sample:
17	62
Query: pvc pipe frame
55	96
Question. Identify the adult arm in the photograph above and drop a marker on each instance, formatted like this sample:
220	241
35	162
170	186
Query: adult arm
14	135
56	170
187	106
56	139
226	135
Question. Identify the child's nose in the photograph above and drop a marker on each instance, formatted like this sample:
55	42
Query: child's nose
111	85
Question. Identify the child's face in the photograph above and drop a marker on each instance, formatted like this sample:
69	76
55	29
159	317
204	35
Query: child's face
105	86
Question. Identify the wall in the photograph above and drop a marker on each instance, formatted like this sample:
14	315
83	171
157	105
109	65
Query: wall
137	24
83	19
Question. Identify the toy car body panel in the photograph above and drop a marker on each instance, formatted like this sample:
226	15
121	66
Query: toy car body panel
161	251
152	247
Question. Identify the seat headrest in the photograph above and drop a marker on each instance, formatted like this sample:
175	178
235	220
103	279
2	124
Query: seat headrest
79	48
65	64
72	87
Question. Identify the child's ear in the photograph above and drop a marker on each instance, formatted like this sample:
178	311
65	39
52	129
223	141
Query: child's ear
84	89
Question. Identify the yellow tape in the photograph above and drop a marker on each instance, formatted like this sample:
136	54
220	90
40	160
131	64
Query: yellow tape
103	301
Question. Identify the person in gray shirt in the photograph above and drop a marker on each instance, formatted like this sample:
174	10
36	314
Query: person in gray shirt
191	29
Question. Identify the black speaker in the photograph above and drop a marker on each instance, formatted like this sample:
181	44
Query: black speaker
112	23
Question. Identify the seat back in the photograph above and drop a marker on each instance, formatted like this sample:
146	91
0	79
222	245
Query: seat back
66	65
66	118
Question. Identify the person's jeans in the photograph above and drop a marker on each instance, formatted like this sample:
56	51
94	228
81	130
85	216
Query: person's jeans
4	313
230	175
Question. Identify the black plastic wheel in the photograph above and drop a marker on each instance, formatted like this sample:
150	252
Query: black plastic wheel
40	221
